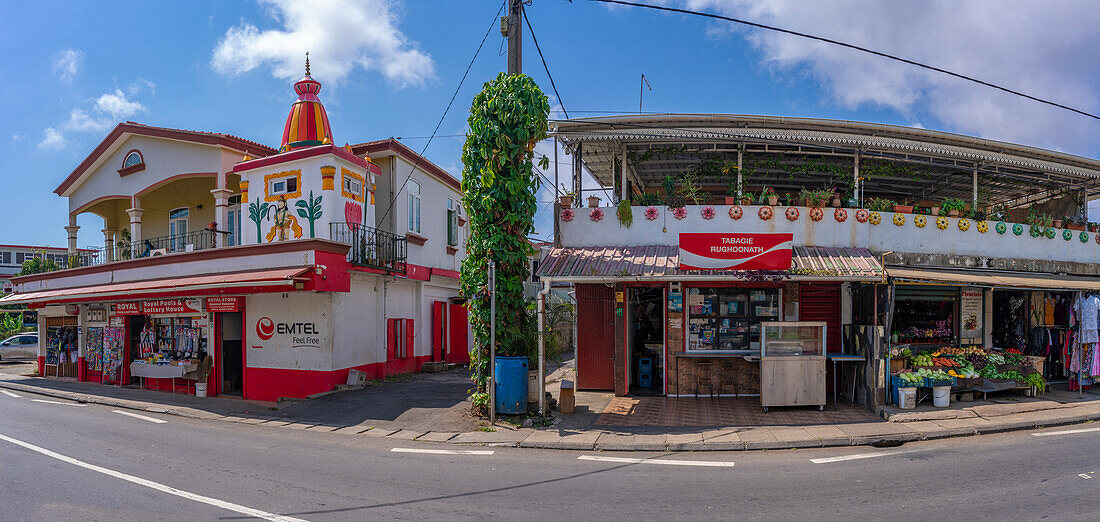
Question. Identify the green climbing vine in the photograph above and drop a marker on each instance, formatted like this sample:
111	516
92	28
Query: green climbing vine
507	118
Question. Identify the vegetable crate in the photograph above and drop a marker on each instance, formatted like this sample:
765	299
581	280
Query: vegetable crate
929	382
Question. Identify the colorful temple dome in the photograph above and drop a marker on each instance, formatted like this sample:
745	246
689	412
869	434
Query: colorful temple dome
307	124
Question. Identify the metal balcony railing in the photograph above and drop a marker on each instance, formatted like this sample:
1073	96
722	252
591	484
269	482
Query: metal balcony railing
147	247
371	247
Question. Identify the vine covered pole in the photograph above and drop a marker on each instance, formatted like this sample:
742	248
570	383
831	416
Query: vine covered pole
515	36
492	343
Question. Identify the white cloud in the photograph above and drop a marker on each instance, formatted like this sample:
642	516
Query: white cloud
80	121
67	63
17	137
52	139
117	106
1045	49
340	36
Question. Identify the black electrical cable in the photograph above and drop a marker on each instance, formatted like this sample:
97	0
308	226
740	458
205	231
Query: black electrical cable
445	111
544	67
851	46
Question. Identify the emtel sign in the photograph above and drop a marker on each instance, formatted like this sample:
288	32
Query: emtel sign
265	328
303	332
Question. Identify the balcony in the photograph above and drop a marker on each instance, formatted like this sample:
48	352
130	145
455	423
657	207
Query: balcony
148	247
372	248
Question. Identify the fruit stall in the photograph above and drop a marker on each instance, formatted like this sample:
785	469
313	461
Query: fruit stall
961	370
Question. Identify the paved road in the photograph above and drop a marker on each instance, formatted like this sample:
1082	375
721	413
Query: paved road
230	471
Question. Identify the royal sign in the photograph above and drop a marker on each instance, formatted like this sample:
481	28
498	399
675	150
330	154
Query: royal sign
171	306
722	251
223	304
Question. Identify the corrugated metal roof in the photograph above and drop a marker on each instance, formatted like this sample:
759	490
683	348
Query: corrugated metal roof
663	262
994	279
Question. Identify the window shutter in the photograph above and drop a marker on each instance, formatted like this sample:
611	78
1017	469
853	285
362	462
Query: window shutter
451	240
409	334
391	339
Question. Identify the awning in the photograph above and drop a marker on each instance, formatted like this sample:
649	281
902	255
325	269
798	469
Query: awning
282	277
988	278
662	263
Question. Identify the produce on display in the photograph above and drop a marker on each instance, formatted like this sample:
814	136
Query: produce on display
968	362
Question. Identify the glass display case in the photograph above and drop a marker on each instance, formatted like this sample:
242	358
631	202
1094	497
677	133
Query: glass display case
729	319
792	364
792	338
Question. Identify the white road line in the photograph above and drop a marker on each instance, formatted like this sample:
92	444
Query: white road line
663	462
59	402
142	417
154	485
1064	432
10	394
857	456
442	451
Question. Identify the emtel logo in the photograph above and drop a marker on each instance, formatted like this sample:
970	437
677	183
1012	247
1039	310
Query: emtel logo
265	328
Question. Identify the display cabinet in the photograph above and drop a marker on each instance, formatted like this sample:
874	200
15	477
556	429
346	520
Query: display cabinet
792	364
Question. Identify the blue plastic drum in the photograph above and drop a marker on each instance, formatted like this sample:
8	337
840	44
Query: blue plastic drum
511	375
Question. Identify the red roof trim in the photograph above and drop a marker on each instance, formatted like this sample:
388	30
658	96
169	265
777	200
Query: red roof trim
298	154
391	144
208	138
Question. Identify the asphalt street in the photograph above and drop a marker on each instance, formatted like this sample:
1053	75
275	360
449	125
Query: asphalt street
59	460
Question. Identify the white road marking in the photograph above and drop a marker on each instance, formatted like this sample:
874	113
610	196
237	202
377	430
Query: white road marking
10	394
442	451
1064	432
663	462
857	456
59	402
154	485
142	417
1084	476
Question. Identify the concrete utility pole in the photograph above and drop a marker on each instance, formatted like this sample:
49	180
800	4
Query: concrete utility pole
492	343
512	27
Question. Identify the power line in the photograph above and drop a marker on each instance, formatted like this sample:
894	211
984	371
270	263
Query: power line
544	67
445	111
854	47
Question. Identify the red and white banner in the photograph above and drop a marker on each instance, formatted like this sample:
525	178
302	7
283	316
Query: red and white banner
223	304
729	251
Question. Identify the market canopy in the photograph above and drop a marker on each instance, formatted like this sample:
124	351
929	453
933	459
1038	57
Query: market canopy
993	279
662	262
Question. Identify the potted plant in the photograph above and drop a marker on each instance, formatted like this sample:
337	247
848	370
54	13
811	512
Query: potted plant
935	210
1092	227
746	199
953	207
901	207
1077	224
566	200
880	204
836	198
593	201
1057	223
769	196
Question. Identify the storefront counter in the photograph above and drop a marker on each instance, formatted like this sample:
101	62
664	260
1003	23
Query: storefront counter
161	371
718	373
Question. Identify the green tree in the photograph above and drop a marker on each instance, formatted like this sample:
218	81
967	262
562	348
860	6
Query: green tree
507	118
310	210
38	264
258	212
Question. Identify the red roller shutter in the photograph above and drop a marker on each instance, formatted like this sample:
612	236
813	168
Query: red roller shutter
595	337
821	302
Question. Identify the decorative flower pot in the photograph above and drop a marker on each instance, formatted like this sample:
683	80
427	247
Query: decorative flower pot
593	201
953	213
840	215
1076	227
1057	223
765	213
565	201
731	200
736	212
773	200
904	209
935	211
836	201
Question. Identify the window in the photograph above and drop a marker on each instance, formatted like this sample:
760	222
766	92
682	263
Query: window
534	270
352	184
177	229
414	206
284	186
729	318
28	339
20	257
452	223
5	258
234	226
133	158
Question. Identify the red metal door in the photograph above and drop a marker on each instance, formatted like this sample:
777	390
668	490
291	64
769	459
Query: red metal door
438	321
821	302
458	349
595	337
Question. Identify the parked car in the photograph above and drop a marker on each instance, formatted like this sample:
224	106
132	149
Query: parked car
19	347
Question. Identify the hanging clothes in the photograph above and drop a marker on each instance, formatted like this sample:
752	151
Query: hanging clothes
1086	310
1048	310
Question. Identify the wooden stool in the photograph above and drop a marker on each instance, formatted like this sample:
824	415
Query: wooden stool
703	376
726	378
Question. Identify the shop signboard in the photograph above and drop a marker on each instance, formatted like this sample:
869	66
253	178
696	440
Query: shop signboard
223	304
171	306
133	308
30	317
970	326
731	251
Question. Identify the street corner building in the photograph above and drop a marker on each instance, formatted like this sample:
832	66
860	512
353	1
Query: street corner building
232	268
803	260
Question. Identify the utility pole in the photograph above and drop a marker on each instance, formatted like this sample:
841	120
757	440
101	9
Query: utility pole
511	27
492	343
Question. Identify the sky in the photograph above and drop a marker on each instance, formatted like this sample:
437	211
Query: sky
389	68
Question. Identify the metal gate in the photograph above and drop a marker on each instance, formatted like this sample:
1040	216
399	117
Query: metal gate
595	337
458	347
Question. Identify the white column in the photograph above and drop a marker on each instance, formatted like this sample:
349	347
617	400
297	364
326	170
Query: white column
622	179
71	230
135	230
221	213
974	205
740	163
855	180
108	245
987	318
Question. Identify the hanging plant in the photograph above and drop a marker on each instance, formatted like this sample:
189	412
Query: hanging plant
840	215
983	227
567	214
816	213
651	213
899	219
595	214
765	213
862	215
624	213
736	212
708	212
1001	227
964	224
942	222
792	214
920	221
679	212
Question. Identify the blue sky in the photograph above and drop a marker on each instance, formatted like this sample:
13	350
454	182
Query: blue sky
389	68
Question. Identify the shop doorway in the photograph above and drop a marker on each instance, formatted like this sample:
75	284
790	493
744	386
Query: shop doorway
1010	319
135	325
595	337
232	356
646	340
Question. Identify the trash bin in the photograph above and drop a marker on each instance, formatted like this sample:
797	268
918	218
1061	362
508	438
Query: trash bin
941	396
200	389
511	384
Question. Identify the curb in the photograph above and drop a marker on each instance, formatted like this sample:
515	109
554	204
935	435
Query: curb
585	441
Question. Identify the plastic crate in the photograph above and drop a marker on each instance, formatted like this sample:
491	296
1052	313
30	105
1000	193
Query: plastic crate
929	382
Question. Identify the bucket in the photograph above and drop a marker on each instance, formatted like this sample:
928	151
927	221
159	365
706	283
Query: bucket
511	384
941	396
907	398
200	389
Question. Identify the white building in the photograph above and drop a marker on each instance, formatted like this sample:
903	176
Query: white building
288	267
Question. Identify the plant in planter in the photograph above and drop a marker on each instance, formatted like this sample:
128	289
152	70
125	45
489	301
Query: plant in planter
625	214
593	201
1093	227
566	200
815	198
997	213
934	210
731	187
836	199
953	207
769	197
902	207
880	205
648	200
507	119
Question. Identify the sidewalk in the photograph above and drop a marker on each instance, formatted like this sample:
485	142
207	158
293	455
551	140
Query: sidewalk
433	408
